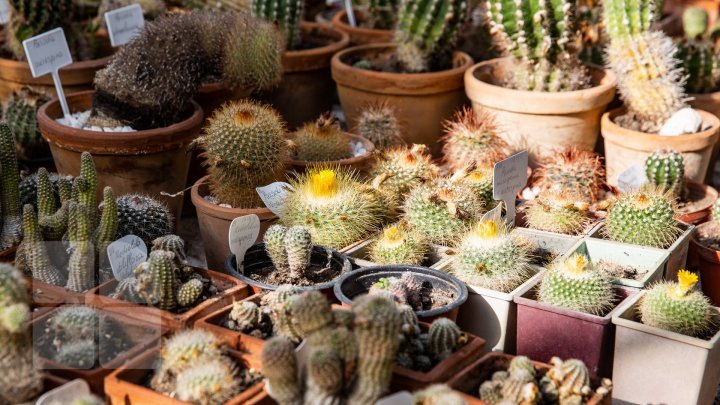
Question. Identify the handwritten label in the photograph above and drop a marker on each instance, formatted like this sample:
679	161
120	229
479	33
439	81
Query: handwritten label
243	234
66	393
509	177
632	178
47	52
124	23
4	12
273	195
125	255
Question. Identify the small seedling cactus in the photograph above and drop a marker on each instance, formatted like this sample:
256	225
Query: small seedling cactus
665	168
573	283
286	14
379	124
576	172
554	212
401	169
698	53
322	140
404	290
144	217
397	245
473	139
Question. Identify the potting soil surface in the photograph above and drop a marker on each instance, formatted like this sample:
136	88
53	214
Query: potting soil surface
618	270
709	236
312	276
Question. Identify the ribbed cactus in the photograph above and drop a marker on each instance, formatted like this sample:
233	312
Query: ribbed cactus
244	147
554	212
427	32
698	53
472	139
189	292
33	253
576	172
279	303
401	169
444	338
33	17
87	195
404	290
28	187
644	217
397	245
274	239
21	115
280	369
650	78
379	124
11	232
286	14
77	323
677	306
81	266
310	312
479	181
80	354
574	283
144	217
214	382
245	316
325	375
665	168
157	285
568	382
544	38
53	221
188	347
322	140
299	246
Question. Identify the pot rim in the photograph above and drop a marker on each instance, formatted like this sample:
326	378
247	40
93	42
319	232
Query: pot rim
398	83
537	102
315	58
705	252
646	142
459	286
225	213
340	21
10	68
369	150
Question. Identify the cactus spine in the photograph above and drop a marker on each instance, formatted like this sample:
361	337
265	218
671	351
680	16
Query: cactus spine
299	246
21	115
322	140
576	172
397	245
444	338
472	139
157	286
142	216
275	246
665	168
11	233
401	169
286	14
33	253
644	217
555	212
574	284
379	124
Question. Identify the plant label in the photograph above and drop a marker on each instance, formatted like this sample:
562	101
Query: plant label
273	195
243	234
398	398
509	177
350	13
632	178
65	393
47	53
124	23
4	12
125	255
494	214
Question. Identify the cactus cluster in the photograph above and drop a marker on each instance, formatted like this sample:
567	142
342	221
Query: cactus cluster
665	169
289	249
398	245
379	124
473	139
286	14
407	289
698	53
350	364
480	181
244	147
576	172
421	351
544	38
322	140
399	170
28	187
144	217
575	284
20	113
555	212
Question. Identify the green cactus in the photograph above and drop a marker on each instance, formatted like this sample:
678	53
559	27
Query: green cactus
286	14
28	187
644	217
279	365
544	38
299	246
81	266
480	181
521	363
698	53
157	285
322	140
444	338
279	303
53	221
378	14
144	217
81	354
568	382
106	232
179	352
33	17
574	283
555	212
398	246
214	382
189	292
401	169
379	124
325	375
695	21
311	312
665	168
174	244
33	252
11	233
127	290
21	115
274	239
88	194
245	315
576	172
472	139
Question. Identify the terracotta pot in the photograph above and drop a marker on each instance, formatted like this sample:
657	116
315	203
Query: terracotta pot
709	102
8	255
537	121
624	147
150	162
360	164
697	210
141	334
468	380
422	100
47	295
214	222
360	35
75	77
411	380
707	261
229	289
306	89
234	339
127	385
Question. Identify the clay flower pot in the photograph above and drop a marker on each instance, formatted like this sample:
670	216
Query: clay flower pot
229	289
699	200
707	261
8	255
360	35
653	365
151	161
234	339
47	295
709	102
360	164
540	121
625	147
422	100
306	89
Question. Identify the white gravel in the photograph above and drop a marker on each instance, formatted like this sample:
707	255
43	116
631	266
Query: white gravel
79	119
358	149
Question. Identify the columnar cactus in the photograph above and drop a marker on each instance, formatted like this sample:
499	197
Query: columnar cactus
81	266
11	232
156	285
397	245
299	246
665	168
555	212
544	38
644	217
698	53
53	221
32	253
142	216
322	140
401	169
21	115
472	139
379	124
30	18
286	14
578	173
274	239
574	283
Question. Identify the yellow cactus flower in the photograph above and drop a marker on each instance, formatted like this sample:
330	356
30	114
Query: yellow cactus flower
323	183
576	264
686	281
487	229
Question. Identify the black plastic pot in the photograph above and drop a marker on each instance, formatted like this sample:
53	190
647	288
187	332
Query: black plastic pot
256	258
358	282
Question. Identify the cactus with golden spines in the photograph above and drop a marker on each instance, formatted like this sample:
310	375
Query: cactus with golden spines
576	172
473	139
397	245
401	169
322	140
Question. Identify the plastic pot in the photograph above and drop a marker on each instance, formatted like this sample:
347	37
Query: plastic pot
653	365
544	331
151	161
697	210
540	121
358	282
360	35
360	164
546	245
422	100
707	261
234	339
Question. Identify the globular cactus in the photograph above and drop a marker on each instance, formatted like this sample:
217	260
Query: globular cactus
81	354
576	172
677	306
650	77
427	32
127	290
143	217
574	283
490	257
401	169
245	316
322	140
644	217
695	22
244	147
190	292
437	394
11	232
472	139
280	369
555	212
30	18
21	115
444	338
480	181
76	323
521	363
299	246
665	168
544	39
181	351
214	382
310	312
174	244
568	382
397	245
334	206
286	14
274	239
156	285
279	303
698	53
379	124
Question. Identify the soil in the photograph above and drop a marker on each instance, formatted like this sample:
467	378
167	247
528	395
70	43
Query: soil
313	275
542	257
434	298
691	196
709	236
620	271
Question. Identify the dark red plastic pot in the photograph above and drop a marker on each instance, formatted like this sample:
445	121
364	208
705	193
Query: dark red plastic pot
707	261
697	210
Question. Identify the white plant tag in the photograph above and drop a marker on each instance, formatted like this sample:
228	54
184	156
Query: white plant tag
47	53
273	195
509	177
4	12
243	234
632	178
398	398
350	13
124	23
494	214
125	255
65	393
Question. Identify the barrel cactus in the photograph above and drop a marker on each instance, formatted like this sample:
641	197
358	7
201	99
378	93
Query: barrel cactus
473	139
401	169
379	124
322	140
479	181
574	283
644	217
397	245
286	14
555	212
665	168
143	216
576	172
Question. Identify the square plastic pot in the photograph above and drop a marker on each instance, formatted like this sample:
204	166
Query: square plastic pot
653	365
651	261
547	243
544	331
359	254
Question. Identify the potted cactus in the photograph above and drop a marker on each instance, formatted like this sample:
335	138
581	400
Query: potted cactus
379	124
704	256
541	86
20	113
374	21
654	102
421	76
11	231
674	329
306	90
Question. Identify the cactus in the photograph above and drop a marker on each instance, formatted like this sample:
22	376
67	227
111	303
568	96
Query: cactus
544	38
144	217
698	54
28	187
11	233
480	181
574	283
87	195
401	169
650	77
157	285
274	239
214	382
174	244
81	354
81	266
379	124
677	307
576	172
472	139
334	206
280	369
244	147
279	303
379	14
397	245
695	22
665	168
299	246
322	140
245	315
190	292
72	324
310	312
492	258
644	217
33	17
33	252
53	221
21	115
427	33
405	290
286	14
568	382
106	232
555	212
444	338
437	394
325	375
181	351
127	290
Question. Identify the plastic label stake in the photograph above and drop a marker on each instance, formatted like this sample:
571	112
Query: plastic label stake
47	53
243	234
4	12
632	178
350	13
274	195
509	177
125	254
124	23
